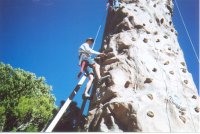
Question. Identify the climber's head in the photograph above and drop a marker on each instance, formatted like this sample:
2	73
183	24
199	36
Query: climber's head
90	41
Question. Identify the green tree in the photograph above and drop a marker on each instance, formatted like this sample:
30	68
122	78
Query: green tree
26	102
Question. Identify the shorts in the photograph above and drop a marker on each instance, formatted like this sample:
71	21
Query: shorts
90	62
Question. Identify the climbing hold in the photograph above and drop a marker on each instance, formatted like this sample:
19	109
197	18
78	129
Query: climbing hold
158	21
184	70
155	33
172	30
158	40
109	82
131	19
110	61
194	97
154	70
182	113
165	36
148	80
171	72
133	39
170	9
197	109
186	81
144	25
176	33
150	21
145	40
170	23
150	96
169	49
126	85
108	50
166	63
182	118
150	114
110	55
147	32
154	5
162	20
138	26
183	63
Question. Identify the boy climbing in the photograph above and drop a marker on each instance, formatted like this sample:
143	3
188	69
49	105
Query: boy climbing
85	53
114	4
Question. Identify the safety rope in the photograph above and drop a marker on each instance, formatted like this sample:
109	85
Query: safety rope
170	128
136	86
194	53
186	30
97	34
100	26
177	88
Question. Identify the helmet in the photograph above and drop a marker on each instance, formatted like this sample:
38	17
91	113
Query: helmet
90	39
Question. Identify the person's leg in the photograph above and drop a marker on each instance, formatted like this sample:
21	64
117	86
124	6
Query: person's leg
96	68
91	78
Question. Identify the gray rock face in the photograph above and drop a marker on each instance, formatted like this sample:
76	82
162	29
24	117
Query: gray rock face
150	89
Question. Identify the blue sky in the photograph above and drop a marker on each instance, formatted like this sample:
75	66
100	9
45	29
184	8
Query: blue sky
43	36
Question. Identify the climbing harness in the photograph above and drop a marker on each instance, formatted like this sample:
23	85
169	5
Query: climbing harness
83	64
186	30
83	67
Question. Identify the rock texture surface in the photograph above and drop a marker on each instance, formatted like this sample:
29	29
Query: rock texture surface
150	89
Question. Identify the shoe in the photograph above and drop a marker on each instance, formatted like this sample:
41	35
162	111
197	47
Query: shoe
86	95
101	80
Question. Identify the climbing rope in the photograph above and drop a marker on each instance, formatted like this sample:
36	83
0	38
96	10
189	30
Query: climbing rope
97	34
169	100
186	30
170	128
158	58
194	53
178	71
136	86
100	26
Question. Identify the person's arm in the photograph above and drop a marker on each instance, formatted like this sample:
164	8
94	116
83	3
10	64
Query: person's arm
90	51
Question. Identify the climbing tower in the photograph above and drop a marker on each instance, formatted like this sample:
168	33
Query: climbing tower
150	89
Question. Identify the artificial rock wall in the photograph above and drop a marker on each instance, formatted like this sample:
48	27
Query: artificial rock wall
150	89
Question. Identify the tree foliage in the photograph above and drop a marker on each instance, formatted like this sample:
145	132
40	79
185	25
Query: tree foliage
26	103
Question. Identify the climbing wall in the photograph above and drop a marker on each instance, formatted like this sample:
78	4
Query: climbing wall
150	89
